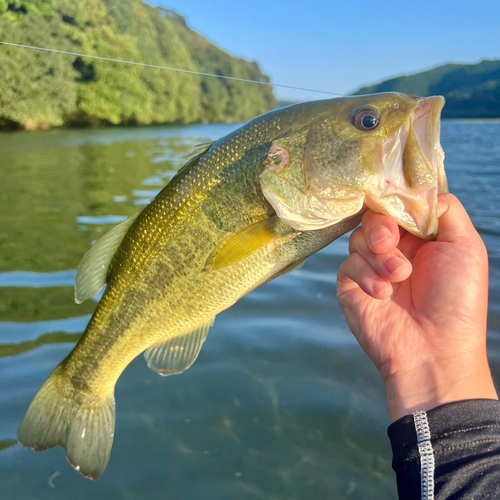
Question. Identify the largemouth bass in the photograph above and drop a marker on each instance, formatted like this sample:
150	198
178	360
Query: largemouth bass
242	211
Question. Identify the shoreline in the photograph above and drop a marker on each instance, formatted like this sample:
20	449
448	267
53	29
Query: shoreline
45	128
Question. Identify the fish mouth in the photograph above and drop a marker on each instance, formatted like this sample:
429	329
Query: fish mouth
413	166
427	126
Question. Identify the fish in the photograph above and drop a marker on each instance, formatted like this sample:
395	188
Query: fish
242	211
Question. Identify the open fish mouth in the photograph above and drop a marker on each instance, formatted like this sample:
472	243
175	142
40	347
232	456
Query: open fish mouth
427	126
412	162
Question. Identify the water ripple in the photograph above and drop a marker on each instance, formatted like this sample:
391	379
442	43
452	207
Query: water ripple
145	194
38	280
101	219
20	332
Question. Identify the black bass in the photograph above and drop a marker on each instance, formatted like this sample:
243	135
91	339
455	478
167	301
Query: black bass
242	211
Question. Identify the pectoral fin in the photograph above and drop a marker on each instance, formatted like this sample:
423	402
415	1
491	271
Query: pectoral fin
179	353
288	269
245	243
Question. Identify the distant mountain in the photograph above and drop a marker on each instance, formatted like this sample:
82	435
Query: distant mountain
43	89
471	90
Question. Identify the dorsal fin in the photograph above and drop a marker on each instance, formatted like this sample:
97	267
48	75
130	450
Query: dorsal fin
194	157
199	149
93	268
177	354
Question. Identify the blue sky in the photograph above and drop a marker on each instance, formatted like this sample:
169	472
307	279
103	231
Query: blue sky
338	46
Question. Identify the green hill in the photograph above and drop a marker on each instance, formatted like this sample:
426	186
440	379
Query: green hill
41	89
471	90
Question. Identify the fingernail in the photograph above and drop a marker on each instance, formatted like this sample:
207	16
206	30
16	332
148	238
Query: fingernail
393	263
378	234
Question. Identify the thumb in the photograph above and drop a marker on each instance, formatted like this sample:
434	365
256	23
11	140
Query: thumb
454	222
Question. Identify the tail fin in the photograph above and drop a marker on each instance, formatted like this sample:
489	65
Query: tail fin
84	426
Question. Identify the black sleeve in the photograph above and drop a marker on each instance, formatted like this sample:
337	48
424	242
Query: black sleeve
451	452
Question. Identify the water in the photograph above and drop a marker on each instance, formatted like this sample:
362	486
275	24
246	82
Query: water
281	403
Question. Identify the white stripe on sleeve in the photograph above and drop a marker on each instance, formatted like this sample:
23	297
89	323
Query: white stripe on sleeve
426	452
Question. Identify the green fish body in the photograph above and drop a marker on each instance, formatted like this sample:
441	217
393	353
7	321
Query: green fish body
241	212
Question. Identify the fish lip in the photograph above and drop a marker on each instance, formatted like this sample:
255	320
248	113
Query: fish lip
412	162
426	121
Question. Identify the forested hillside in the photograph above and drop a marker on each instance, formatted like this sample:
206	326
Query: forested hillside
42	89
471	90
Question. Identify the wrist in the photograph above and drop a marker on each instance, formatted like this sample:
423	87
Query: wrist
437	382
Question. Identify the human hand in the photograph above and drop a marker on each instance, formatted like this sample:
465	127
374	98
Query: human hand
418	308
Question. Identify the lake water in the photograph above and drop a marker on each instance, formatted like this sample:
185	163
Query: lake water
281	404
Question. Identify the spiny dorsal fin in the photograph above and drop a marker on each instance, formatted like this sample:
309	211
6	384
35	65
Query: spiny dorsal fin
194	158
200	149
177	354
245	243
93	268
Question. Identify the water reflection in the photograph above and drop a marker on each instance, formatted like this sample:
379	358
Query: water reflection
49	338
7	444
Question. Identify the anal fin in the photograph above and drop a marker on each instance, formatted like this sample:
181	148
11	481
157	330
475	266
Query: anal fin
177	354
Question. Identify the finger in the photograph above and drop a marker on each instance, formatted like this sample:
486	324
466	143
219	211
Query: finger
410	244
454	222
393	265
354	240
357	270
381	232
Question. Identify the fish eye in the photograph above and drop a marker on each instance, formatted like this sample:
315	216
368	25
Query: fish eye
366	119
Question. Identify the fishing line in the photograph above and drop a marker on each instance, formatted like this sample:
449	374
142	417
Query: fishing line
167	68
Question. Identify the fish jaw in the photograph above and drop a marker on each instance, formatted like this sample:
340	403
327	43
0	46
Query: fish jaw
412	162
312	212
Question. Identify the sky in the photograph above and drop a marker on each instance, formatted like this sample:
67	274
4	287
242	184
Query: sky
338	46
